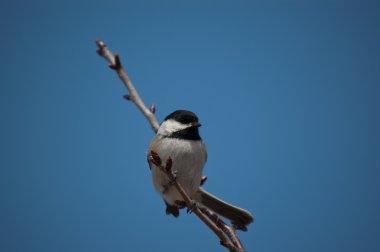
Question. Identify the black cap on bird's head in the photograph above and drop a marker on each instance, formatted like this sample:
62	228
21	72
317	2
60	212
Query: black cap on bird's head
184	117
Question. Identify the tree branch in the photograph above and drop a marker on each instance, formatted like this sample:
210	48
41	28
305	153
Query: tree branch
225	233
115	64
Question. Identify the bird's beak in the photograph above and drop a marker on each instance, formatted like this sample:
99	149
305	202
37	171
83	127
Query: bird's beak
196	124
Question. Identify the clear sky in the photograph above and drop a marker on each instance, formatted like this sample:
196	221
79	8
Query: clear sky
288	93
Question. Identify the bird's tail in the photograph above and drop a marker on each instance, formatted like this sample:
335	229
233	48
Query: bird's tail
238	216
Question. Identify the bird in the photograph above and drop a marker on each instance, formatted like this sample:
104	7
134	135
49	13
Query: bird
178	138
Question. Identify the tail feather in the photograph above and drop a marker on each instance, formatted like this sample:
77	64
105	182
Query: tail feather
238	216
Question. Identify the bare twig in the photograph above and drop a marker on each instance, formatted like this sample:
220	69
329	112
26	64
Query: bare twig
115	64
225	233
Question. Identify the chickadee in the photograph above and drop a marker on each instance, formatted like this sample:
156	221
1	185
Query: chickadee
178	138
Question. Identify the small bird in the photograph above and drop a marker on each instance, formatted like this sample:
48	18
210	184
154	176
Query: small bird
178	138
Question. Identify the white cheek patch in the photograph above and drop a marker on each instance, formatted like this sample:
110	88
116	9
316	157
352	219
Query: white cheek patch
170	126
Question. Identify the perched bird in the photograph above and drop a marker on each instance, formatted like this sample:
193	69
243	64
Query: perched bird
178	138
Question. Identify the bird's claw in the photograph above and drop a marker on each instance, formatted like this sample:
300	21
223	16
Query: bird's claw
192	207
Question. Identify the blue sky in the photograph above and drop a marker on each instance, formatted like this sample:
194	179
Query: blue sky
287	93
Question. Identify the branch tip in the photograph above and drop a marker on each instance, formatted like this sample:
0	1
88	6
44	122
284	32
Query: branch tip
100	43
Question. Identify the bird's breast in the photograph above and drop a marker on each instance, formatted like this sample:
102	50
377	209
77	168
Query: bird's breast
188	161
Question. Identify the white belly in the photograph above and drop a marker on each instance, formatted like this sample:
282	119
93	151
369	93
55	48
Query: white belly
188	159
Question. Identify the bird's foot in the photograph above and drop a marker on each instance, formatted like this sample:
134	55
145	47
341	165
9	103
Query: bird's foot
172	210
192	207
